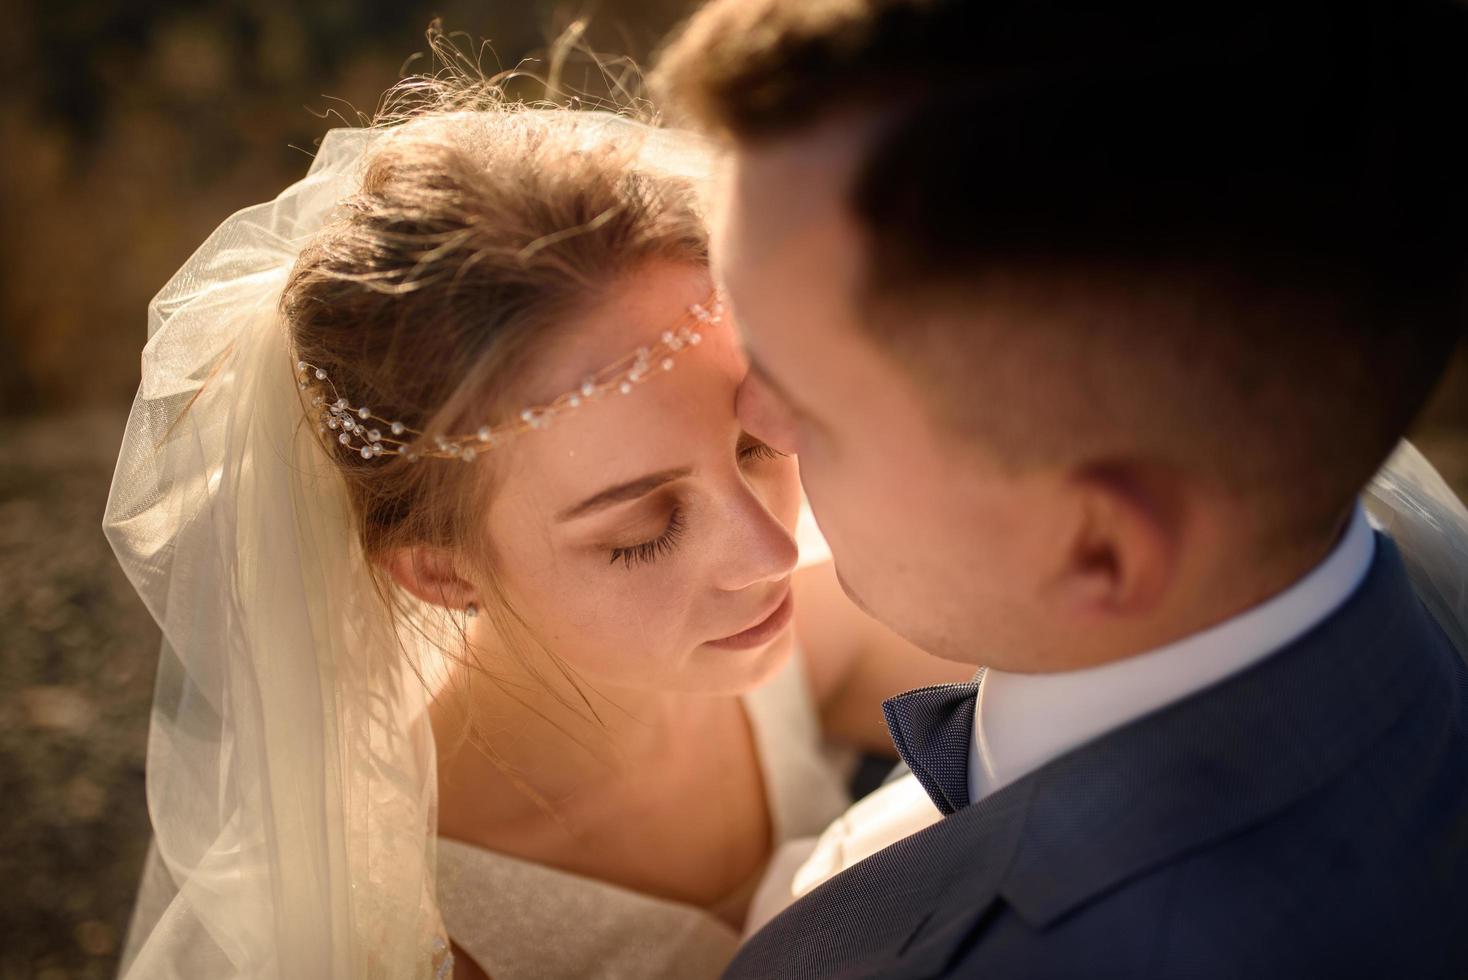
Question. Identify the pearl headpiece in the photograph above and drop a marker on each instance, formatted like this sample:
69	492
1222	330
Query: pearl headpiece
358	429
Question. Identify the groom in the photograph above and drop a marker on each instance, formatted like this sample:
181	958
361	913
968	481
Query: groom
1089	321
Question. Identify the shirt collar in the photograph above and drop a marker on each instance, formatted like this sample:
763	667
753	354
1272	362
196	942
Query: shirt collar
1022	721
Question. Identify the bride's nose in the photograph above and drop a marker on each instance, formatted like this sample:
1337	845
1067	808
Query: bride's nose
757	547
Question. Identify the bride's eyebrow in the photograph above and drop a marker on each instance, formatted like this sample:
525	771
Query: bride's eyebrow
623	492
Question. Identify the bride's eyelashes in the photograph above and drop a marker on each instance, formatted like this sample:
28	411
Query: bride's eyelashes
649	551
758	450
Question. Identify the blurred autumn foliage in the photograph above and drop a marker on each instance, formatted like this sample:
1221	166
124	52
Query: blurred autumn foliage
130	130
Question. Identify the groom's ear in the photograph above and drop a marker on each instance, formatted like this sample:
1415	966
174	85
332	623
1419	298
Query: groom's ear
1122	548
430	574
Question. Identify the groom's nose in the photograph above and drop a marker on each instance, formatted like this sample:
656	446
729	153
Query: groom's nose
764	414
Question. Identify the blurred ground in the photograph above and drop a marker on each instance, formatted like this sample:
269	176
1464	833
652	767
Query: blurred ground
77	654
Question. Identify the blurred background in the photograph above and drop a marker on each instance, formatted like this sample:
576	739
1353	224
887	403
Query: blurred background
128	132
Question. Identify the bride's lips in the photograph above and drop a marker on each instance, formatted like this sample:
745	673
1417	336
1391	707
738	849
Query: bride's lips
763	631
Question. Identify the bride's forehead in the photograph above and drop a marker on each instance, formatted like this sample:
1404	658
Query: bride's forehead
668	421
586	346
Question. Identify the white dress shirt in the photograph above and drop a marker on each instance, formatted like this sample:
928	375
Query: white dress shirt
1022	721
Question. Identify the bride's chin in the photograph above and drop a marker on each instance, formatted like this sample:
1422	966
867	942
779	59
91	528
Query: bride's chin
732	672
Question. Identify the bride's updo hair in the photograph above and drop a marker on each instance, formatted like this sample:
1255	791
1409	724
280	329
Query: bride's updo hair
481	226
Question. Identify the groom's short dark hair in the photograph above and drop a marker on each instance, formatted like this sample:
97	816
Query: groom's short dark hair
1272	197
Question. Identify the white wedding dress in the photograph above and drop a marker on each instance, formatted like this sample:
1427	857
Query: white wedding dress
518	919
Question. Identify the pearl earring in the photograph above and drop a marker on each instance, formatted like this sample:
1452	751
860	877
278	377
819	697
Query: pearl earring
471	610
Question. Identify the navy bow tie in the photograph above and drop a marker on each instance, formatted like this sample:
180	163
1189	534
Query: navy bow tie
932	728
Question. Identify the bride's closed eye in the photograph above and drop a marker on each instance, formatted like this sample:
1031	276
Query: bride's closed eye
649	551
758	450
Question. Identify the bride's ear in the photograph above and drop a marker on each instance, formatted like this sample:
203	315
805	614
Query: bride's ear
429	573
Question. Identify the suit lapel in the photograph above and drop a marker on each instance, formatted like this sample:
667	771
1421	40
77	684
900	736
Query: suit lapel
967	854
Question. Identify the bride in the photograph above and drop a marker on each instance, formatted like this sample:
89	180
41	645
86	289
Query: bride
485	648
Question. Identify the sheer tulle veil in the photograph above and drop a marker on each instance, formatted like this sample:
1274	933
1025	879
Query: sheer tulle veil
1411	501
291	779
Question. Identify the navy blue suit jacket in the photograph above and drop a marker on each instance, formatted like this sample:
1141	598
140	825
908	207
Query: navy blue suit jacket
1307	817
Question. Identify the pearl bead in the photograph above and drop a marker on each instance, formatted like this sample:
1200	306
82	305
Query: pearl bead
626	388
343	438
374	435
397	428
363	412
484	433
366	452
667	364
467	455
320	375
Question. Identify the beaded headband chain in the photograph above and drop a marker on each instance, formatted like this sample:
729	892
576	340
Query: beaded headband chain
359	430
